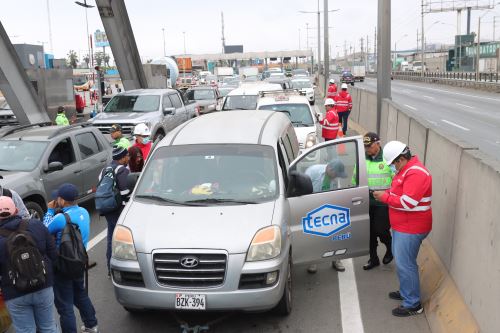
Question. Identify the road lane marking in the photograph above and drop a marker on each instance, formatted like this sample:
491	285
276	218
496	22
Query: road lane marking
451	92
94	241
349	300
411	107
465	106
456	125
429	97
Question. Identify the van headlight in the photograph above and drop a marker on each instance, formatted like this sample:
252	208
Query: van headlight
266	244
122	245
310	140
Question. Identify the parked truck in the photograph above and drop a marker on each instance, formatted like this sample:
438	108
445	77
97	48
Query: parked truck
223	71
359	73
249	71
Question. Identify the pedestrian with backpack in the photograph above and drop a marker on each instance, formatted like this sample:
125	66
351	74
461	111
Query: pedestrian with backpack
27	251
71	228
112	193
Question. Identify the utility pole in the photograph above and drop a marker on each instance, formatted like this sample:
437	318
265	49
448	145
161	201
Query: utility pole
367	65
319	43
478	47
384	56
327	55
422	40
362	46
375	54
223	38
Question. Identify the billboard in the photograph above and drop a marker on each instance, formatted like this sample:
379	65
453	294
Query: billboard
233	49
100	39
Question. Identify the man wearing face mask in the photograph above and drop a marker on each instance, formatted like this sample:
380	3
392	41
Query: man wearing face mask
142	135
410	214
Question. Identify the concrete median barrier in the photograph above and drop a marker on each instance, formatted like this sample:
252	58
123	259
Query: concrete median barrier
392	122
417	139
403	127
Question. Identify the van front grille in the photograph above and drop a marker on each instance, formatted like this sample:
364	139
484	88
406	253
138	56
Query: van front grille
190	269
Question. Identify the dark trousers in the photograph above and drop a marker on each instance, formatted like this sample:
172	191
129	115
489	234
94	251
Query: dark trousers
379	228
111	219
343	116
67	293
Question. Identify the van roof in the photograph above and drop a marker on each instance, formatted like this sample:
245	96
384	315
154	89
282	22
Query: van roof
244	127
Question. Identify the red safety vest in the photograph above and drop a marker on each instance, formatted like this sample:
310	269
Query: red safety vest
330	125
332	91
343	101
409	199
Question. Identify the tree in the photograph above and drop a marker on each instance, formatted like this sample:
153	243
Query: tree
99	57
72	59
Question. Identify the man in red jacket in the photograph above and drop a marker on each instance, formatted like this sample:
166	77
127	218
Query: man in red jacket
332	89
343	104
330	124
410	214
142	139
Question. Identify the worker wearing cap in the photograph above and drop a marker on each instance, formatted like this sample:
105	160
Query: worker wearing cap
332	89
410	214
379	179
343	104
117	136
61	119
330	124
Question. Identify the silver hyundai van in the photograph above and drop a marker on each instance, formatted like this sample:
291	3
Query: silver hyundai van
225	206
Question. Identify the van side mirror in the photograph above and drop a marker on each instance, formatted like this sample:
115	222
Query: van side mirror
167	111
299	184
54	166
132	180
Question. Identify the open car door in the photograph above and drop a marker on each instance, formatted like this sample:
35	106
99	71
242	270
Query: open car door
332	221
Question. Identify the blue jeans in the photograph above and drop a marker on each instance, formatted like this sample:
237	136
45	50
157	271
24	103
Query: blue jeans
343	116
68	293
33	312
405	249
112	219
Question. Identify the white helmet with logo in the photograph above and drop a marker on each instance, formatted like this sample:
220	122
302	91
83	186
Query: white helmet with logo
332	81
142	130
329	101
392	150
343	86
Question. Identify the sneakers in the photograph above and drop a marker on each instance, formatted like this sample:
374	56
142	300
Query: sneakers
338	266
387	258
312	269
401	311
94	329
395	295
371	264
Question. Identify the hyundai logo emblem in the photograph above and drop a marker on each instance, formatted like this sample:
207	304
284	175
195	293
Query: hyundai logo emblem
189	262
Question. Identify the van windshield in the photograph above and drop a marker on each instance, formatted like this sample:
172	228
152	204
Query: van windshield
210	175
133	103
240	102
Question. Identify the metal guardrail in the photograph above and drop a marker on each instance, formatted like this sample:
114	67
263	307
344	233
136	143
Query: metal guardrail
468	76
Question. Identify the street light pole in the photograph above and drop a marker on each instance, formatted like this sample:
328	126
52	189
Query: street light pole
478	47
84	5
164	49
327	55
383	56
422	40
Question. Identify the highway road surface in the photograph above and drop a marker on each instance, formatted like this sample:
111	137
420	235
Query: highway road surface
470	115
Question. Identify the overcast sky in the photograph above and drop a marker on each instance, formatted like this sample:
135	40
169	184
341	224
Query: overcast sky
258	24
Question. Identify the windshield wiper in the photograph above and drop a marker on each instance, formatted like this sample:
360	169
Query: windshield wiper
162	199
214	200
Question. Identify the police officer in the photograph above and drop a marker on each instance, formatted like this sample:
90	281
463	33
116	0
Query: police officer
61	119
379	179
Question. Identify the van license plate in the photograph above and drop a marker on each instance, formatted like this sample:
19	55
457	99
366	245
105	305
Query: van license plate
190	301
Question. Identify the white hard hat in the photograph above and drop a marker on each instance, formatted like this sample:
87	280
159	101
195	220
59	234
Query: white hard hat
332	81
329	101
142	129
392	150
343	86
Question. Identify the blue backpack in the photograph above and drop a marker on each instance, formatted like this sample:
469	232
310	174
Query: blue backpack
107	195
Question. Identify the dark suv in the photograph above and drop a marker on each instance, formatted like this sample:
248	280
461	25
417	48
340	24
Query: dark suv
36	159
347	77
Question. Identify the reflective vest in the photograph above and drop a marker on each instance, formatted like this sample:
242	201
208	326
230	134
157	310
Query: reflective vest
343	101
379	174
332	90
61	119
409	199
330	125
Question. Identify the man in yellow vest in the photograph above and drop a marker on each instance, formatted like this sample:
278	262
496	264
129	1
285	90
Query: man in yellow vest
379	179
61	119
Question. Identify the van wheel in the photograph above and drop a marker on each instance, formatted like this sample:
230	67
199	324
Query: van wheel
158	136
284	307
34	210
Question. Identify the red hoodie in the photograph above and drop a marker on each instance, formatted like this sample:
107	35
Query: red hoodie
145	148
343	101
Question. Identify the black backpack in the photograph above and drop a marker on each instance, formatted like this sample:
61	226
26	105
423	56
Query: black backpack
107	196
26	266
72	256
